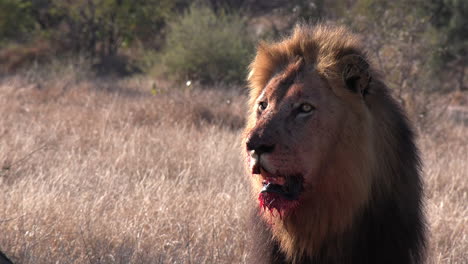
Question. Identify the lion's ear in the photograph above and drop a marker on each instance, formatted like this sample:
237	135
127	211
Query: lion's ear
356	74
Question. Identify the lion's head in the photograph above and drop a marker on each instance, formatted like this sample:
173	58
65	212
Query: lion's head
309	140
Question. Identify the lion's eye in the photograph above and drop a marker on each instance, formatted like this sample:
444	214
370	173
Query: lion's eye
262	106
306	108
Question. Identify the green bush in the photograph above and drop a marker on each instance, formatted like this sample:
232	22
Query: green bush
15	18
208	47
103	27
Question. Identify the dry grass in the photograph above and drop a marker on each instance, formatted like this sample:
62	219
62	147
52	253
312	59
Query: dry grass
106	172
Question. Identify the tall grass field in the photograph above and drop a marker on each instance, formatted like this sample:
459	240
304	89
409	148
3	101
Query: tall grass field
134	171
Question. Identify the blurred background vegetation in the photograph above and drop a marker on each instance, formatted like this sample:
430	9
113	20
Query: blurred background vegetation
420	45
110	151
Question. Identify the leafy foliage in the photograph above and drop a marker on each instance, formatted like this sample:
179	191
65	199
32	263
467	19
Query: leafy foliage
106	25
449	20
209	47
209	42
95	27
15	18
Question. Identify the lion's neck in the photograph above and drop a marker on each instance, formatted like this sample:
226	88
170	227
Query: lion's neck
328	210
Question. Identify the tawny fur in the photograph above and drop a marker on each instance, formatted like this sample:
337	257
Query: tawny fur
367	168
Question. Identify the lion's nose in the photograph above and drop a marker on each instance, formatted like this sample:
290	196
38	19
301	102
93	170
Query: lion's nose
255	146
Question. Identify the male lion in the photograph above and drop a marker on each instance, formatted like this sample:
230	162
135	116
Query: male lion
332	158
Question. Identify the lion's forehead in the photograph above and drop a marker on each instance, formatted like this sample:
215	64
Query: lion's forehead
307	89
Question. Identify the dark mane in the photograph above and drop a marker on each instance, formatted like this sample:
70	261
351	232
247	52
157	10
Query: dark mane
391	227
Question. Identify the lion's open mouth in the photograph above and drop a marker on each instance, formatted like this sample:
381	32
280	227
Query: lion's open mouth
288	187
280	192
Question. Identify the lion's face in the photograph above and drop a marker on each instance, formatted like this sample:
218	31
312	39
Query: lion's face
295	134
329	150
